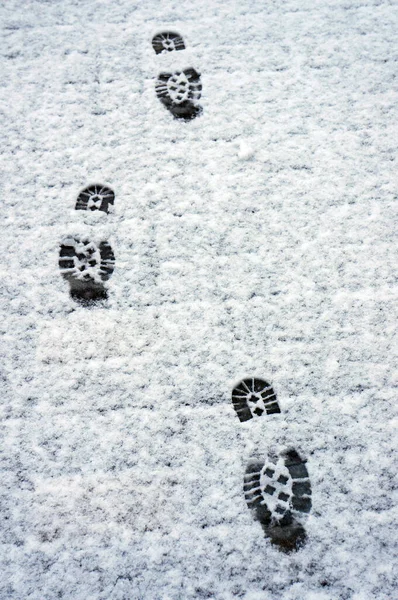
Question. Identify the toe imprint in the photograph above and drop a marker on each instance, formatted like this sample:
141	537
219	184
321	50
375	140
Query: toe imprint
167	41
254	397
95	197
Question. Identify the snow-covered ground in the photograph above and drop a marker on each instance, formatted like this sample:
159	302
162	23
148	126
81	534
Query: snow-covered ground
258	239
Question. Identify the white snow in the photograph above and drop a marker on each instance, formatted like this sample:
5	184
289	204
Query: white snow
258	239
245	151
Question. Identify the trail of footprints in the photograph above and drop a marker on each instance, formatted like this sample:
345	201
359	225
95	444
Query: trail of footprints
277	490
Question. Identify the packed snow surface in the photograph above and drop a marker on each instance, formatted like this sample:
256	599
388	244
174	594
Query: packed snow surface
256	240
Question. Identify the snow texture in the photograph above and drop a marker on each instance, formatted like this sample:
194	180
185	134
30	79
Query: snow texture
256	240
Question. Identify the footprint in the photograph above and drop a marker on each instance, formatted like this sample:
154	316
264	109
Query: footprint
279	493
252	397
86	266
95	197
180	92
168	41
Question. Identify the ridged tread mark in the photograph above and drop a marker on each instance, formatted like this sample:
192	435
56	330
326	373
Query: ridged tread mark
95	197
180	92
86	265
254	397
168	41
279	494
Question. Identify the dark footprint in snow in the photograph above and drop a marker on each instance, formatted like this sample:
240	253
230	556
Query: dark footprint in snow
86	266
95	197
254	397
180	92
167	41
279	493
